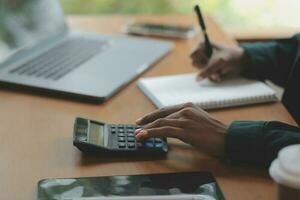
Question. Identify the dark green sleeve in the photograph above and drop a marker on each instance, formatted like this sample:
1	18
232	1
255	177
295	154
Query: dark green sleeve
258	142
271	60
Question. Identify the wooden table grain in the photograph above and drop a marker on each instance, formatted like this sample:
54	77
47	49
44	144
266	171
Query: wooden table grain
36	131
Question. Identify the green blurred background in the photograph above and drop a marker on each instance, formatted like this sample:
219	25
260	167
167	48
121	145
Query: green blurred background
258	13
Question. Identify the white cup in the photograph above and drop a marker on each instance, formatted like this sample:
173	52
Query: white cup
285	171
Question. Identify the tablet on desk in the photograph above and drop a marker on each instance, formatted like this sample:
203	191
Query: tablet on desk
172	185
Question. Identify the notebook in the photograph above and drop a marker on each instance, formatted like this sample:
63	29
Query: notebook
178	89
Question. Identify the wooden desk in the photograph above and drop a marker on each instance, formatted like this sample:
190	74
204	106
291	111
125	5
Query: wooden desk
36	131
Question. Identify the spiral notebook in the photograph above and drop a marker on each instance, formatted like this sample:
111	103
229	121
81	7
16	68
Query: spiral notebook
178	89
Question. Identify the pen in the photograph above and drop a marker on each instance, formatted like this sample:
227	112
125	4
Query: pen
208	46
156	197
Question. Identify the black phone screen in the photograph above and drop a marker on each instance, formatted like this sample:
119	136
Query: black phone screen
201	183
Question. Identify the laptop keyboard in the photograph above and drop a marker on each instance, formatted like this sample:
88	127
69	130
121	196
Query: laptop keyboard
62	59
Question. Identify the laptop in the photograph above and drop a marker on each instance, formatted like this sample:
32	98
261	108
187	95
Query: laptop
39	53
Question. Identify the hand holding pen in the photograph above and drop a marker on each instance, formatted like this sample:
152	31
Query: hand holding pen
216	60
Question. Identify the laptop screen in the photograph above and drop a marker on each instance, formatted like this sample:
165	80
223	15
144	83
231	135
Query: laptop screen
26	22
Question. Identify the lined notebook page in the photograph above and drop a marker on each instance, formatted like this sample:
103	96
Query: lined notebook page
178	89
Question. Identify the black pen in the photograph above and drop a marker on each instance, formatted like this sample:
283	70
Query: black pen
208	46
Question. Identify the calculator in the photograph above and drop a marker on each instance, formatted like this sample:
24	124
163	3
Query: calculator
91	136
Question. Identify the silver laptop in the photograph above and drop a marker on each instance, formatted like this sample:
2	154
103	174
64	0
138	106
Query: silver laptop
39	53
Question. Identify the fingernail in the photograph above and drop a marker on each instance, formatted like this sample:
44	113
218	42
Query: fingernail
214	77
141	134
137	131
199	78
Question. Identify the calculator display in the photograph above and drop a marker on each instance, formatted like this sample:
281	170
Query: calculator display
96	134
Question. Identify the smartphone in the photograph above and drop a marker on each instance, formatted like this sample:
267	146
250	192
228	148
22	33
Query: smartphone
160	30
186	183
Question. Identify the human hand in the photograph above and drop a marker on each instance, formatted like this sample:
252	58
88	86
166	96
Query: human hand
224	60
188	123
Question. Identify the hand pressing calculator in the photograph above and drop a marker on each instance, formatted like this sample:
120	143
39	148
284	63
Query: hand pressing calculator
97	137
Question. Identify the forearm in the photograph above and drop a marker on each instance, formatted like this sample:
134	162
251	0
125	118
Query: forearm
258	143
271	60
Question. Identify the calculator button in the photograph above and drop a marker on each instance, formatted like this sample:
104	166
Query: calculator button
130	134
150	140
121	134
121	139
130	131
112	128
149	144
158	140
122	145
131	145
131	139
139	144
113	131
159	145
121	130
